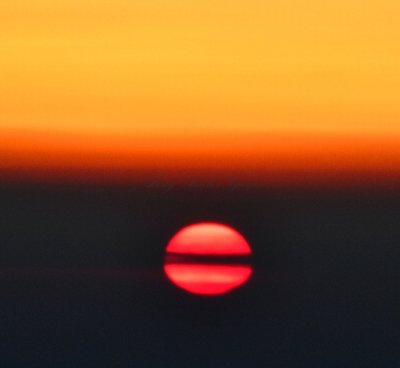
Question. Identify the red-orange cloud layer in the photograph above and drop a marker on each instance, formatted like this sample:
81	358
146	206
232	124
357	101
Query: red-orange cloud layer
272	158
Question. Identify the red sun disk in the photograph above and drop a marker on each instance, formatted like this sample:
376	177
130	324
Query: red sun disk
214	241
209	238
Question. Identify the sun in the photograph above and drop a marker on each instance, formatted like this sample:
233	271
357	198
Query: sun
208	259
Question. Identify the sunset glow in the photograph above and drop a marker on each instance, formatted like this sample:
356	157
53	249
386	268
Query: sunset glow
134	91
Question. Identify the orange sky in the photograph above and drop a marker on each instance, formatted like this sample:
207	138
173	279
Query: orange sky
263	91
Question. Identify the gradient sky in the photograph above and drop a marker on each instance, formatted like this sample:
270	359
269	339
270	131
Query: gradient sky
267	87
